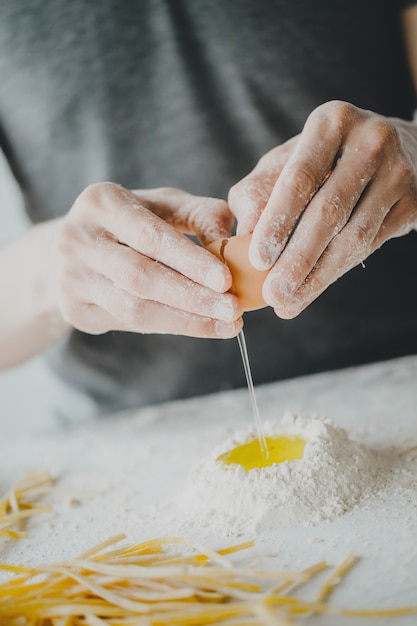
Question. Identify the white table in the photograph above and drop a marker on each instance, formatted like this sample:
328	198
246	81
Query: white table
132	466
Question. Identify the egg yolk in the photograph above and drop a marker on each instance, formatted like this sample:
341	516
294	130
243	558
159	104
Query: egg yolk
250	456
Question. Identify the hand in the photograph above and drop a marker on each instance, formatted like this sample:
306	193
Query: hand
123	264
321	203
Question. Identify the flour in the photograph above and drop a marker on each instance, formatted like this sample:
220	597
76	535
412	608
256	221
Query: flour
334	474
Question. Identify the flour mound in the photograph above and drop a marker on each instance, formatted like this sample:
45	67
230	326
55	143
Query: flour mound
331	477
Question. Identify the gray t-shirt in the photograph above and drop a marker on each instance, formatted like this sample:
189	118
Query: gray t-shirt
190	93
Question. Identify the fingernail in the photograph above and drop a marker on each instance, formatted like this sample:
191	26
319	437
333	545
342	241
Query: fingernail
289	311
224	311
215	280
279	288
227	329
264	255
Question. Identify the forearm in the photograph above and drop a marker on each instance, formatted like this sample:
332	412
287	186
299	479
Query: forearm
29	318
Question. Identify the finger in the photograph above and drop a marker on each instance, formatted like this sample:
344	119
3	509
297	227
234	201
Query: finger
146	316
92	319
208	218
322	220
248	197
350	247
74	296
88	308
145	278
120	213
307	168
401	220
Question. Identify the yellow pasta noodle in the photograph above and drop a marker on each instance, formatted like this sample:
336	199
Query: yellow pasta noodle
22	502
166	581
155	584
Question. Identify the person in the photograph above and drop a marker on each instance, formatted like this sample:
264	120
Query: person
299	114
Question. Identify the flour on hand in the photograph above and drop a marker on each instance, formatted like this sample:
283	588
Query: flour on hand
333	475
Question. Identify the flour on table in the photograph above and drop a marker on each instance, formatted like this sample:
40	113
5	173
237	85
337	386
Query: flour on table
333	475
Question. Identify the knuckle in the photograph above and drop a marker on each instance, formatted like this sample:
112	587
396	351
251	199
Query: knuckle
92	193
134	311
153	238
303	264
332	211
95	193
302	181
328	214
380	135
138	277
151	232
361	236
357	240
66	238
334	114
170	191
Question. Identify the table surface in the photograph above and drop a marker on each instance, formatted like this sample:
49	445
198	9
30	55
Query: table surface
128	470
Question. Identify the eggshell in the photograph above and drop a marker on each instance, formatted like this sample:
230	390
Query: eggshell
247	281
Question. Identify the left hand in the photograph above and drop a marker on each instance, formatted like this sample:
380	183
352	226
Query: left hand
322	202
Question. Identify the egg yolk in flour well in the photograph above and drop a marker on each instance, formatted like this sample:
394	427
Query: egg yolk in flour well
250	455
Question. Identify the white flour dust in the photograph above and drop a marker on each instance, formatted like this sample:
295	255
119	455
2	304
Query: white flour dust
333	475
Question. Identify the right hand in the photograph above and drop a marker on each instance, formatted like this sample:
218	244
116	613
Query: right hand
123	263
